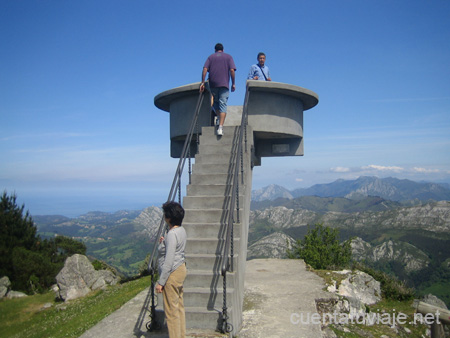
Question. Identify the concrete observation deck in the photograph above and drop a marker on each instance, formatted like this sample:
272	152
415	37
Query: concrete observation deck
275	113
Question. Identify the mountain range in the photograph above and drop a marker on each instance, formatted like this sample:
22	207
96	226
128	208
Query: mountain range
393	189
122	239
408	234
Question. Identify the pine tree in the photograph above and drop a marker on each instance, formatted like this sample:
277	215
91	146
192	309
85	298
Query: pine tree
16	230
30	262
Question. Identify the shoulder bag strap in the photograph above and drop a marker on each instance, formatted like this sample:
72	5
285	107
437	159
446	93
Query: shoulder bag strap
262	71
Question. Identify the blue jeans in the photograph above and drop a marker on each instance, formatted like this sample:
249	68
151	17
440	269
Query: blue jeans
220	95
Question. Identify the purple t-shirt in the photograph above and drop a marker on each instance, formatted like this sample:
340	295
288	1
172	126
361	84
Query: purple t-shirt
219	65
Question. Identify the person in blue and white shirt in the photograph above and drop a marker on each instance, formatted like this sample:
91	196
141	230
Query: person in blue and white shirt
259	71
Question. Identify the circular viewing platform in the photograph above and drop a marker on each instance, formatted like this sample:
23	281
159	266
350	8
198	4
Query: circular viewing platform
275	114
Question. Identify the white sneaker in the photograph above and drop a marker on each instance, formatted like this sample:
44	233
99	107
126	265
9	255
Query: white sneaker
220	131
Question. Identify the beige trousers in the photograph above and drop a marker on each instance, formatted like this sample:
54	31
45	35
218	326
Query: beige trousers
173	303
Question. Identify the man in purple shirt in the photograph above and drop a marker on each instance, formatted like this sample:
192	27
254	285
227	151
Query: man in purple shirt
221	67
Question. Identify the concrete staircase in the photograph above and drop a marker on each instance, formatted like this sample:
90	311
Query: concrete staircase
206	204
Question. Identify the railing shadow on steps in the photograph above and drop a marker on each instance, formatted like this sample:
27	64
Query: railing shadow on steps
237	161
222	234
175	190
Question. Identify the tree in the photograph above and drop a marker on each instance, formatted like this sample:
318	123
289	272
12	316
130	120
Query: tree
33	271
16	230
67	246
321	248
30	262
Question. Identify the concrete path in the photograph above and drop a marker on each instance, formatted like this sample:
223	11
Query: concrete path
277	293
279	297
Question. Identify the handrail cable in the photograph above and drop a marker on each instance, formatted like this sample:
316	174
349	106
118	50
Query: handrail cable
176	187
227	263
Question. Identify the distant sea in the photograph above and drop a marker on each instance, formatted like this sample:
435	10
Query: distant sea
74	206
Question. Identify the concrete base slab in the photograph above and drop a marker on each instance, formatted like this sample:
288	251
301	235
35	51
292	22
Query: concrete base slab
274	290
277	293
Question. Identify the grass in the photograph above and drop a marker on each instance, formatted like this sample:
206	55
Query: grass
25	317
386	308
330	276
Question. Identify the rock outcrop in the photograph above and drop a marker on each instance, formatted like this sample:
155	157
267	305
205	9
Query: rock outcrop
355	290
410	257
5	289
272	246
5	284
271	192
147	223
434	217
435	301
78	278
282	217
361	286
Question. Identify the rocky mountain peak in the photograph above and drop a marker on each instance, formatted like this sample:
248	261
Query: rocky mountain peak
271	192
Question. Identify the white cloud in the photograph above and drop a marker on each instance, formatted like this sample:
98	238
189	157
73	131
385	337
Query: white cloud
340	170
424	170
299	180
382	168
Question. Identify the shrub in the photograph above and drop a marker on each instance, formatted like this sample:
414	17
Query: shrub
321	248
98	265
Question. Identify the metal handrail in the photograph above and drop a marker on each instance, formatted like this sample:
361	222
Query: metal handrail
227	263
176	187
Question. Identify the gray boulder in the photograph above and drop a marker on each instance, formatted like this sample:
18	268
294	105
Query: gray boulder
15	294
361	286
356	290
78	278
5	283
272	246
435	301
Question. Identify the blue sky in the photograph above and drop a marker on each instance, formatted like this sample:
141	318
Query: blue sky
79	130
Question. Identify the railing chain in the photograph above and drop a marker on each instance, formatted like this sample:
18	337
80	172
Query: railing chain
228	249
190	168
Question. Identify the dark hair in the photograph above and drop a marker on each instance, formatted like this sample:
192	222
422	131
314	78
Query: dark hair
218	46
174	212
259	54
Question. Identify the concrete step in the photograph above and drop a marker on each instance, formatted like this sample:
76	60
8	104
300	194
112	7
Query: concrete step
207	245
202	278
210	164
208	230
226	140
212	159
202	318
206	297
197	317
206	262
208	215
210	132
219	149
226	152
211	179
211	168
211	190
206	202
